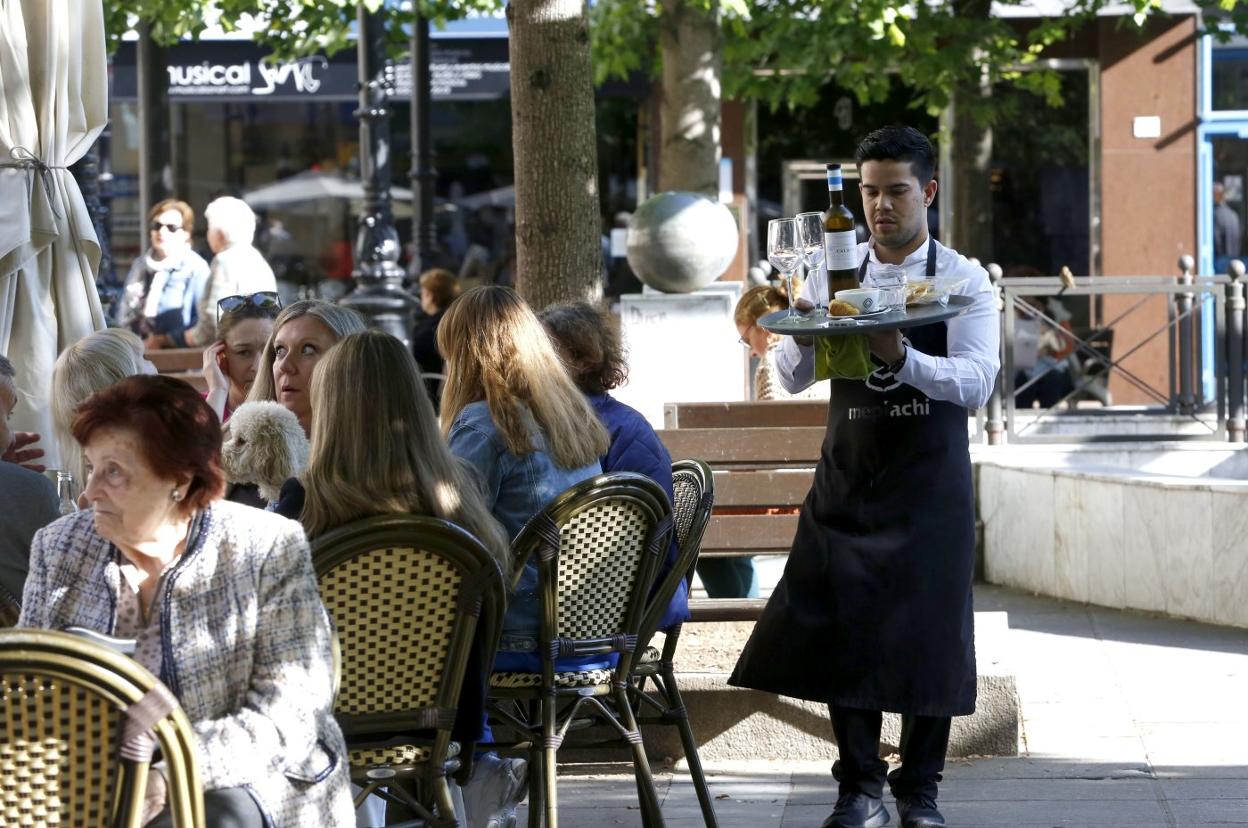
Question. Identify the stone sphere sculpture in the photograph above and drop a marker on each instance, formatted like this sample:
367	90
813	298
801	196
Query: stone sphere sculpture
679	242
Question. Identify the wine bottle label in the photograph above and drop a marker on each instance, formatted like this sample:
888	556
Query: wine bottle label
841	250
835	182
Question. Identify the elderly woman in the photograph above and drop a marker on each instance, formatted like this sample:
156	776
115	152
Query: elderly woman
164	286
94	362
754	304
221	600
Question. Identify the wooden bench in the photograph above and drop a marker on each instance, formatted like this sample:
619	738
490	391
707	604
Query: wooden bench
186	364
748	414
756	469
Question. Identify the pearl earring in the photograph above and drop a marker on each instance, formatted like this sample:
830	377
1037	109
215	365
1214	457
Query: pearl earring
175	495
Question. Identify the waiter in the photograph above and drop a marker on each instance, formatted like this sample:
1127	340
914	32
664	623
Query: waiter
874	610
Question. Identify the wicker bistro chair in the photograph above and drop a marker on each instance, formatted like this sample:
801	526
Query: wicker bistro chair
597	546
408	595
693	490
80	725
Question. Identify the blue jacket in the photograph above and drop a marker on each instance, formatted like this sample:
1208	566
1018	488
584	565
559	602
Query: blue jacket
515	489
636	448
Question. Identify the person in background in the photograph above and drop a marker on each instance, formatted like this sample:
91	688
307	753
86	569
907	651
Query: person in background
1227	233
28	503
438	288
220	599
762	344
507	398
238	269
591	346
92	363
163	289
231	362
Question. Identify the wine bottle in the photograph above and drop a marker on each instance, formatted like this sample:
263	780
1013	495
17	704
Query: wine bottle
840	242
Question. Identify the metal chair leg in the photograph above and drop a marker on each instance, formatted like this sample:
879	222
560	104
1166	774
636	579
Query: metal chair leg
675	702
648	797
549	774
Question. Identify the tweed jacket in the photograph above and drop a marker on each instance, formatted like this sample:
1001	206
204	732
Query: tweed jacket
246	649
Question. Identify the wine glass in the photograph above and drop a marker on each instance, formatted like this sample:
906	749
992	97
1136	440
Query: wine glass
810	231
784	251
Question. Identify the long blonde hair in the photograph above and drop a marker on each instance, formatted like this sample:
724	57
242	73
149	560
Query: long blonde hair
341	321
92	363
387	456
497	351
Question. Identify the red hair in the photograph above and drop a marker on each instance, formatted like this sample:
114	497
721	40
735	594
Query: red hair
179	434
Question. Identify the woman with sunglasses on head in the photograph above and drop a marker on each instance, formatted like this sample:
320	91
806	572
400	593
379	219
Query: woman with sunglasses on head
244	324
164	286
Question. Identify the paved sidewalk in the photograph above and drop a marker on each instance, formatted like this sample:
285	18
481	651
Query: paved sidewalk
1127	720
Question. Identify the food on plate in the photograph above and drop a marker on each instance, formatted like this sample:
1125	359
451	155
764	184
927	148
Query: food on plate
920	291
839	308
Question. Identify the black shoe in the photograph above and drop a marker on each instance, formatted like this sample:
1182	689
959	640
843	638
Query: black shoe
857	810
919	811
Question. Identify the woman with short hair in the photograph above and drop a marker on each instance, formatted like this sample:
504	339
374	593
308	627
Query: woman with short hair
92	363
589	341
165	284
438	288
221	600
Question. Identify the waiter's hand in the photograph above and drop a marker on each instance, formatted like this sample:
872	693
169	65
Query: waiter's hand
887	346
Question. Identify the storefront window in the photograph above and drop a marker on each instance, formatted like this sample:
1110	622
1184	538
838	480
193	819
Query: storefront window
1229	84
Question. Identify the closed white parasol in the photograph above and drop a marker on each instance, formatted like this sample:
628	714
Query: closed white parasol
53	105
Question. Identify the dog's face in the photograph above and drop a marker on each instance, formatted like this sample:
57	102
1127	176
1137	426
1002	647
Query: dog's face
264	445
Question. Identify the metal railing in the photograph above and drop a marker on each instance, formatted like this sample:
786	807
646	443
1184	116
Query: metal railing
1190	300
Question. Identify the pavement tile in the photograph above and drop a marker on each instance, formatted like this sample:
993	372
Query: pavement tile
1209	811
1205	788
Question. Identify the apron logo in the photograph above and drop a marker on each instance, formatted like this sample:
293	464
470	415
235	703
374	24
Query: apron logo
913	408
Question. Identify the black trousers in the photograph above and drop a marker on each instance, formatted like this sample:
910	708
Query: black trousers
924	741
223	808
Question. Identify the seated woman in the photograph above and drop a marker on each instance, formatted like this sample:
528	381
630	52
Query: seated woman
220	598
302	333
438	288
752	306
389	458
92	363
589	341
230	363
506	395
506	392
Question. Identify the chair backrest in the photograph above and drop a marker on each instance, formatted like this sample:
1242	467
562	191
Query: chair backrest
407	595
693	495
76	739
597	548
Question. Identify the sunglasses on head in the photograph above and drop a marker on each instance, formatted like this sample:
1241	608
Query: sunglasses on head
265	299
156	225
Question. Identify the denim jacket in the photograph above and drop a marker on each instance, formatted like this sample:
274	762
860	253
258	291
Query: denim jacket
515	489
179	301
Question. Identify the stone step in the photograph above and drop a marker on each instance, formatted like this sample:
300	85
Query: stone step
734	724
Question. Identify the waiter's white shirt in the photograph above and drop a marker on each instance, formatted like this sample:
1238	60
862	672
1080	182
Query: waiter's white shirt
965	376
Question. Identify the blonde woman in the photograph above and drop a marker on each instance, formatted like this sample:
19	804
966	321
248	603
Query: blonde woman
512	412
752	306
302	333
92	363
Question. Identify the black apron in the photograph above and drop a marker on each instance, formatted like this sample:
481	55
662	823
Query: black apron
874	609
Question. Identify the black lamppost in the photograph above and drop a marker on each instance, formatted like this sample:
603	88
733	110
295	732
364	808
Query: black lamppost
423	175
379	294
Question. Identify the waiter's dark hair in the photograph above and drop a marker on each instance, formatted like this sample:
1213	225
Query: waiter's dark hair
899	143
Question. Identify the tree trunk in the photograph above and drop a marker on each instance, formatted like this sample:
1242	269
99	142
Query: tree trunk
558	232
690	116
971	159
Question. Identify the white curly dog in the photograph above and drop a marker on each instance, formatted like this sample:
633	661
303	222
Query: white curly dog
265	445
